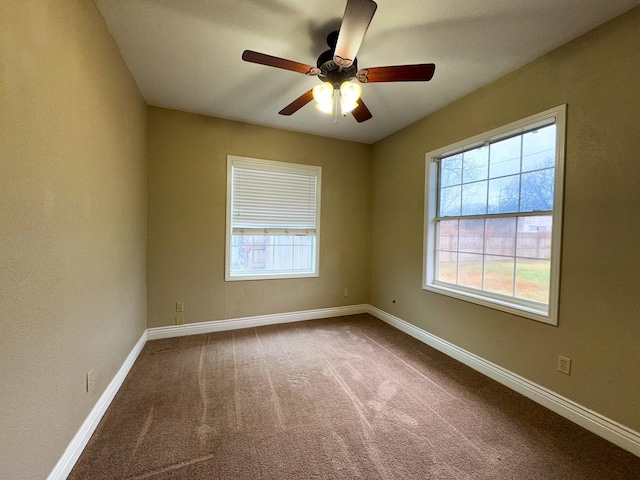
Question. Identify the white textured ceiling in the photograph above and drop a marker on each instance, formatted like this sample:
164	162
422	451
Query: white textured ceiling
186	54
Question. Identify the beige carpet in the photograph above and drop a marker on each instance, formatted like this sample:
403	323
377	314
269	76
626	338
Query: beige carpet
344	398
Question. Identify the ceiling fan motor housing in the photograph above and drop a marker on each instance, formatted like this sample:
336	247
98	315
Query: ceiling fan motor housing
330	71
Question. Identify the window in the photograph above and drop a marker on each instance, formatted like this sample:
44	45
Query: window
493	217
273	219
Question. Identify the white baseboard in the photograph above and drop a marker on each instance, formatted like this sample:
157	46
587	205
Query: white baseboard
616	433
249	322
81	438
600	425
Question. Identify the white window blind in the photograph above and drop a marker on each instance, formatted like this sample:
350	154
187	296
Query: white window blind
272	198
273	219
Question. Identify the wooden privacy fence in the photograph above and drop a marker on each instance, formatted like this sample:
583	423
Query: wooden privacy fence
527	245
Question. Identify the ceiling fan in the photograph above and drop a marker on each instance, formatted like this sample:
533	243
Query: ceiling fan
338	66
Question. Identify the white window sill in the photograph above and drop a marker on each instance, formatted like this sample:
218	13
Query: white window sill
269	276
531	312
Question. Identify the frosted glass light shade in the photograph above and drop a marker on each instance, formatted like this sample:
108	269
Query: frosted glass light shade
349	95
323	95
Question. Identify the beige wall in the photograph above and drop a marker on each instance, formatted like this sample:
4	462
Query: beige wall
73	200
598	76
187	197
72	224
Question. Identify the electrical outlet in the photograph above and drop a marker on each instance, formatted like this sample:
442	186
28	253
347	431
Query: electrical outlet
179	306
180	319
345	292
90	380
564	365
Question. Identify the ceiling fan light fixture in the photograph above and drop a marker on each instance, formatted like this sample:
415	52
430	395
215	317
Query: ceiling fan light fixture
325	107
338	66
349	95
323	95
347	107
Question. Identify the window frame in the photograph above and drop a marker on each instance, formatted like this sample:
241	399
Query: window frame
271	165
520	307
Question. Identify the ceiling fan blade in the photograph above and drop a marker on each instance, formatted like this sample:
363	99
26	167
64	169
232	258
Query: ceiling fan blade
355	21
361	113
297	104
401	73
271	61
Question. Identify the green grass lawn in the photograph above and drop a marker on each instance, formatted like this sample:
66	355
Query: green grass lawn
532	277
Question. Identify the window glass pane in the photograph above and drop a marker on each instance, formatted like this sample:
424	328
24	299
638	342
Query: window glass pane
260	240
500	236
475	165
447	267
285	240
539	149
283	253
471	236
263	258
534	236
532	279
451	170
450	201
237	259
474	198
303	241
271	253
504	194
537	191
470	270
248	253
498	274
448	235
282	257
302	257
504	157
